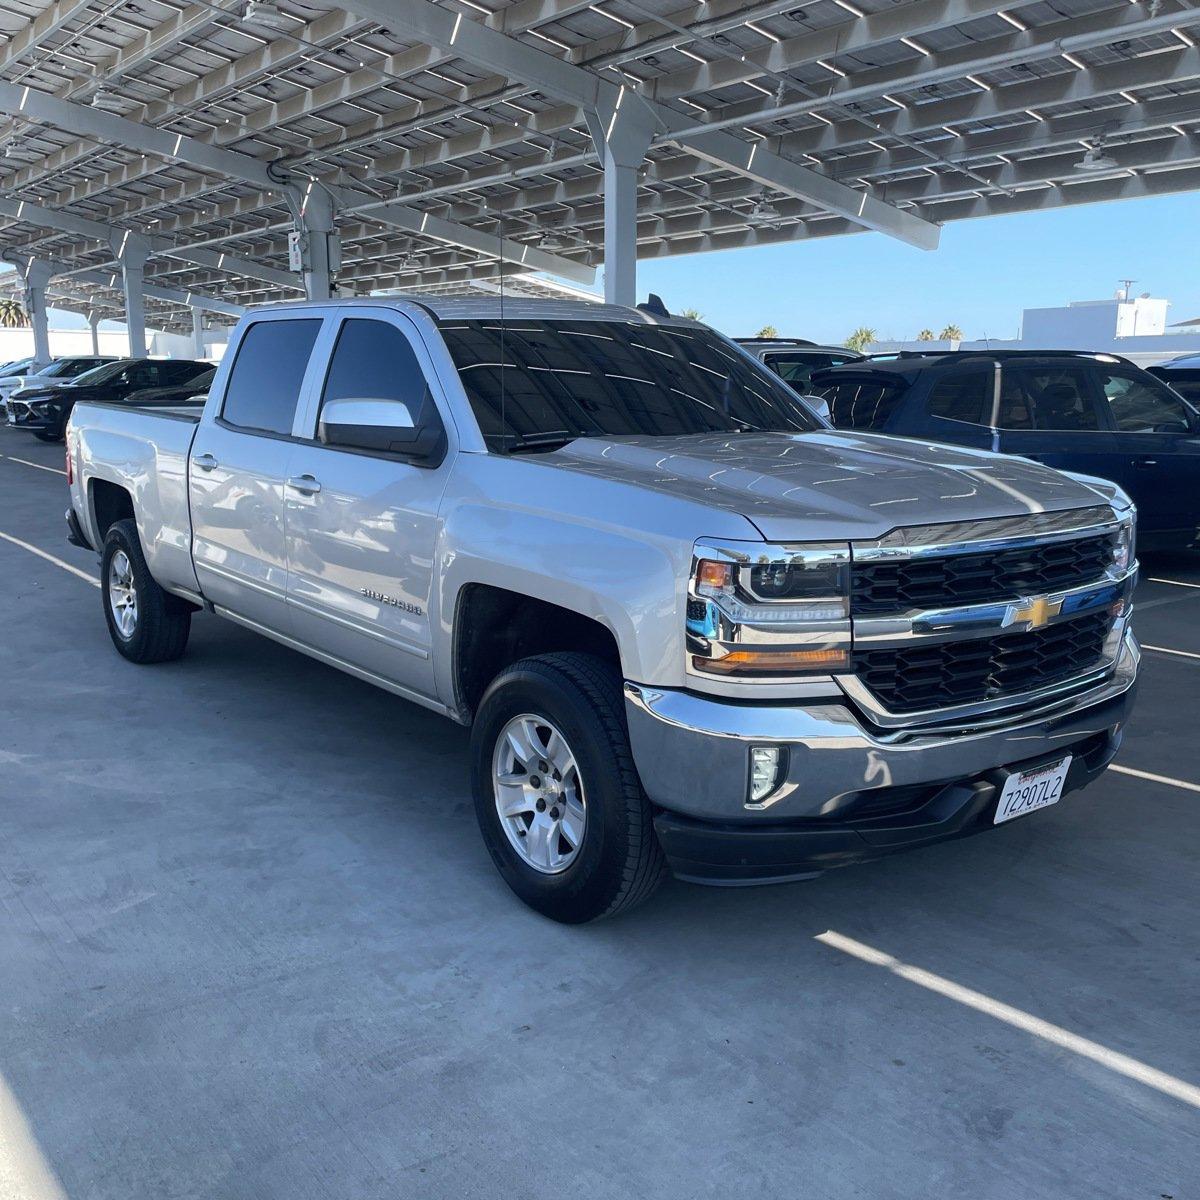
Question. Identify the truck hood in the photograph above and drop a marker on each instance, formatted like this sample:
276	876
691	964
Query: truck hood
830	484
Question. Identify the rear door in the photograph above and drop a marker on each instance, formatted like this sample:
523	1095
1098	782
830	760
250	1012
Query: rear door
239	468
1049	411
363	524
1156	452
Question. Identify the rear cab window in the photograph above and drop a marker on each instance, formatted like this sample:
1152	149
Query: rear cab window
265	381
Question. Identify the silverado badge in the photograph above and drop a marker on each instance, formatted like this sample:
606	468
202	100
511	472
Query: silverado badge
404	604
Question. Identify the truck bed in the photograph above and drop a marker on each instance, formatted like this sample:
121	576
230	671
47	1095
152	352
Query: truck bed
144	453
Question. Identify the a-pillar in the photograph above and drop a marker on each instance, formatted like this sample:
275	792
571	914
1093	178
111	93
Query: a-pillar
132	252
317	250
622	137
36	275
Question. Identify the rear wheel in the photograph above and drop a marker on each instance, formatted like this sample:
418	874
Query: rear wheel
147	625
557	796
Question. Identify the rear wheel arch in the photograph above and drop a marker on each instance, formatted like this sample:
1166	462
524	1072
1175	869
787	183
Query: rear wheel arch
109	503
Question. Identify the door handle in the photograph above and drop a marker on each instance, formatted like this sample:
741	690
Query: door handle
205	462
1146	462
306	485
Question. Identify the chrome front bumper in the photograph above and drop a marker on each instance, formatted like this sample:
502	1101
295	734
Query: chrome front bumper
692	752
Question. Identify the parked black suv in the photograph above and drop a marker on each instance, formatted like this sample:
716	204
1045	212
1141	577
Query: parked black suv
43	408
1097	414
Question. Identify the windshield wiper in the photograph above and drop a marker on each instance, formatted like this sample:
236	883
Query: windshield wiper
535	442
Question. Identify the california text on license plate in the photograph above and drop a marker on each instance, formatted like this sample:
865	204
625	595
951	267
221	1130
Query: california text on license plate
1030	790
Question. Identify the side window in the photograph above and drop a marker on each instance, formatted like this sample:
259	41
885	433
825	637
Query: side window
1141	405
963	396
1051	398
373	360
862	404
264	385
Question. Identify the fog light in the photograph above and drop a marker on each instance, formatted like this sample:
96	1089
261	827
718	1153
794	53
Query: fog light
765	763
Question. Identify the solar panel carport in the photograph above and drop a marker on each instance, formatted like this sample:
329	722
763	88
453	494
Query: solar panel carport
157	158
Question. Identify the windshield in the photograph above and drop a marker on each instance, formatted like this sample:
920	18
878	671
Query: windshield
20	367
567	379
103	374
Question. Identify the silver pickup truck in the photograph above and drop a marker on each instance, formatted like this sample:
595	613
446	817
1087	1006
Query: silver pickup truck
690	624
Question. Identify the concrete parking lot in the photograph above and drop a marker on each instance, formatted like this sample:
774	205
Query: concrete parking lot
252	946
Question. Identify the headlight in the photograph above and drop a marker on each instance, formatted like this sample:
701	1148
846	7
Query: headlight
1125	547
769	611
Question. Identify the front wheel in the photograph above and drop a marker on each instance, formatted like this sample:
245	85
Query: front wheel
147	625
557	796
47	435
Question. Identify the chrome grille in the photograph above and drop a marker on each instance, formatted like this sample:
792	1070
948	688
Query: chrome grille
938	675
942	581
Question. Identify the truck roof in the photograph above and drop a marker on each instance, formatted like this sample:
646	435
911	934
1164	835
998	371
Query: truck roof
488	308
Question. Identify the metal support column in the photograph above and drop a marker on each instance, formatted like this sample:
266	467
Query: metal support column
132	252
622	138
198	333
313	246
35	276
94	320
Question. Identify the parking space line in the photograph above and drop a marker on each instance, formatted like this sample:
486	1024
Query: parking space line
1152	778
1168	650
1113	1060
50	558
1174	582
40	466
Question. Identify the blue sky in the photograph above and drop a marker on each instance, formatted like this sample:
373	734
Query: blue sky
981	277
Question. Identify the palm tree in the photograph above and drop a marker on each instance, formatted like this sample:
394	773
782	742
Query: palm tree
767	331
692	314
13	315
952	333
926	335
860	339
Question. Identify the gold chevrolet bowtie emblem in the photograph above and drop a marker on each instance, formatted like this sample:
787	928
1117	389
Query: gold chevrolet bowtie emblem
1036	613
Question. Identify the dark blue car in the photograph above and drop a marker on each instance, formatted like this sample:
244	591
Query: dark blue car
1094	413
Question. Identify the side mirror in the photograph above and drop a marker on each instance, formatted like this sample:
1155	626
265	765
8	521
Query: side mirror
387	426
819	405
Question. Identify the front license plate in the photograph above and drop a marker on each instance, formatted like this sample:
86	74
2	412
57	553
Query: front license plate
1028	791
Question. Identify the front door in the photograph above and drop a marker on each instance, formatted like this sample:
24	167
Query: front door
1156	456
239	468
1049	412
363	525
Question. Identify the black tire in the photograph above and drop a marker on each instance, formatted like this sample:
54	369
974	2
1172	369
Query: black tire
162	622
619	862
47	435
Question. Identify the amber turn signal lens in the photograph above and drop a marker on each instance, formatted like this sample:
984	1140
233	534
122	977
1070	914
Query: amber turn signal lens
714	574
773	662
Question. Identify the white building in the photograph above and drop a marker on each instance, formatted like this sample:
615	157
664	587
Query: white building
1133	327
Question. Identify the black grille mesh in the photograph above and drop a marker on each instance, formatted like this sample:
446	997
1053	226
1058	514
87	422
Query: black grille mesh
944	582
946	673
